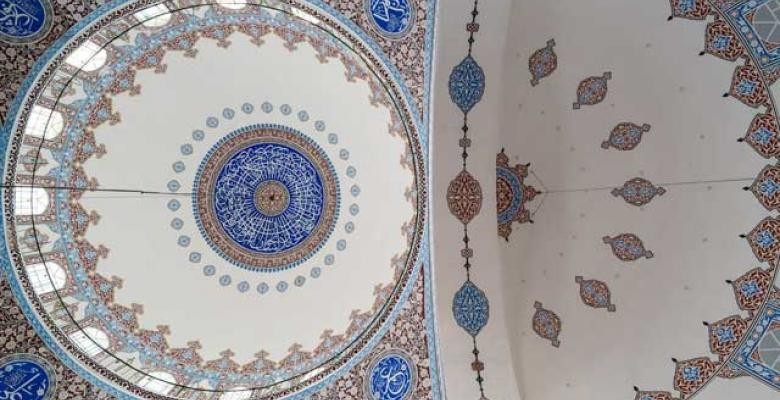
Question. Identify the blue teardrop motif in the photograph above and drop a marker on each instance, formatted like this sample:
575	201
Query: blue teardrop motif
470	308
467	84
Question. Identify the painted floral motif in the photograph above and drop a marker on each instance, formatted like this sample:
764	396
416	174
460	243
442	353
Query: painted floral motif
726	334
543	63
721	42
751	289
595	293
747	86
627	247
464	197
470	308
763	135
766	187
638	191
625	136
592	90
690	375
546	324
512	194
690	9
467	84
764	239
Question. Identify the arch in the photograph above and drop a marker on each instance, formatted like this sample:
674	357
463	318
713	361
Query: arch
156	15
46	277
30	200
159	382
232	4
44	123
92	341
88	57
238	393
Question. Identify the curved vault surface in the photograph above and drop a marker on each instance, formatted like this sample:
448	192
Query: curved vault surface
644	231
199	208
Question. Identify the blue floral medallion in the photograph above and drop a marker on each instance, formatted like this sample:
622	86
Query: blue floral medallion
470	308
467	84
266	197
24	21
26	377
391	376
393	18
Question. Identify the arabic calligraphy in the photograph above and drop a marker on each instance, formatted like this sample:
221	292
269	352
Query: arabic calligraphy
23	20
25	377
391	377
392	17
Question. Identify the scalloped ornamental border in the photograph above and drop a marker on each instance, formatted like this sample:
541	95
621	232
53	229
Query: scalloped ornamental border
776	272
424	256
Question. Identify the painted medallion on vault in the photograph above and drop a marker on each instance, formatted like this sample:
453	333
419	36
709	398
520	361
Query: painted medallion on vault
26	377
627	247
391	376
543	63
546	324
638	191
512	194
592	90
24	21
392	18
266	197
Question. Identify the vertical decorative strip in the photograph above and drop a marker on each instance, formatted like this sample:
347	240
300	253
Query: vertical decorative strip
470	306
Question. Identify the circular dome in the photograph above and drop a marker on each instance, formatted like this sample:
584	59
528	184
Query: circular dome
266	197
192	140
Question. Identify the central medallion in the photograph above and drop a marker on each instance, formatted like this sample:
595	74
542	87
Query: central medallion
272	198
266	197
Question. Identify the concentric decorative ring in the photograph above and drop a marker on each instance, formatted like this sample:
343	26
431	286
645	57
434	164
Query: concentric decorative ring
392	375
27	377
266	197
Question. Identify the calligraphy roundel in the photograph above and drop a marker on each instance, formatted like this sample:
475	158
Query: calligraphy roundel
26	377
266	197
391	376
392	18
24	21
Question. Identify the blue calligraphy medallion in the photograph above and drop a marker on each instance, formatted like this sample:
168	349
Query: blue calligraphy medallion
266	197
391	376
393	18
24	21
26	377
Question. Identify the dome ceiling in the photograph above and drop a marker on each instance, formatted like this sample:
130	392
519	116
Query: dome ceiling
199	208
231	199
